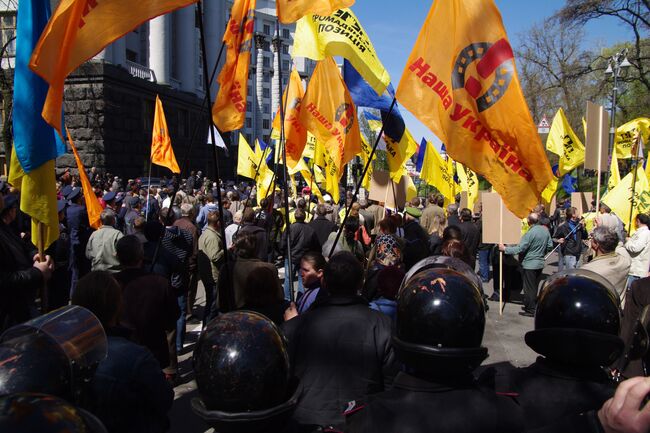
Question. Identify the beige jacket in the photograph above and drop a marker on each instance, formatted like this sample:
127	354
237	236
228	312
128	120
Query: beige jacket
614	267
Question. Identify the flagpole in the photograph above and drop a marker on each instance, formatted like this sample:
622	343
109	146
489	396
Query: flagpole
287	272
634	178
363	175
146	212
500	257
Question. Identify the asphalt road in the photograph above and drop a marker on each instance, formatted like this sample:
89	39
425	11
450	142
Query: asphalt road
504	338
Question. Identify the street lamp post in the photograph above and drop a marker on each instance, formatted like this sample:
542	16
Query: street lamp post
615	65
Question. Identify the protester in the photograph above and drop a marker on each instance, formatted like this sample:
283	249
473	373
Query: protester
263	294
362	363
321	225
129	391
246	262
388	283
101	247
211	258
346	241
639	248
249	226
300	238
231	230
431	211
533	245
416	239
312	269
611	261
471	235
570	235
186	222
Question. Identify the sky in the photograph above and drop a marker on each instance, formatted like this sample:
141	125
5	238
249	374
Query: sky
393	27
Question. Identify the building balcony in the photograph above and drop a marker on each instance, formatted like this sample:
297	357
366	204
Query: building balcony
139	71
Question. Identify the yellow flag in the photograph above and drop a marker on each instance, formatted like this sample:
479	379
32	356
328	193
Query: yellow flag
469	183
438	173
329	113
397	153
246	159
627	135
564	142
332	175
77	31
37	197
93	206
229	109
614	173
341	34
290	11
550	190
295	134
264	183
460	81
622	202
306	174
161	143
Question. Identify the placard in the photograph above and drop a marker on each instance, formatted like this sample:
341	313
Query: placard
596	147
383	189
499	221
582	201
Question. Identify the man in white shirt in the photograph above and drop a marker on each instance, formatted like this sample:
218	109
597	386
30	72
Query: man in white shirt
232	228
639	248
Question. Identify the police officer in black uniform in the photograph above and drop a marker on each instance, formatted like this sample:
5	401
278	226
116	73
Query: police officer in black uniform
439	330
576	333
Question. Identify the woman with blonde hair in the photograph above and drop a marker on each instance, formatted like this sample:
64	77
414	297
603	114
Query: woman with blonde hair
438	225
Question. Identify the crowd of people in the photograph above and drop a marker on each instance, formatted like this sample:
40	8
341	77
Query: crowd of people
376	324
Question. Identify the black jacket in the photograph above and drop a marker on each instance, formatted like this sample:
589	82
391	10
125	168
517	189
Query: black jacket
416	245
19	280
262	252
416	405
471	238
340	350
322	227
546	391
572	245
302	239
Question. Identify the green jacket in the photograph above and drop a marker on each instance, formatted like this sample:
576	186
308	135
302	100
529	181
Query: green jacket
534	244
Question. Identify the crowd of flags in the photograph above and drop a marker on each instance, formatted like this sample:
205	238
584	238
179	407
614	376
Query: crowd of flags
480	114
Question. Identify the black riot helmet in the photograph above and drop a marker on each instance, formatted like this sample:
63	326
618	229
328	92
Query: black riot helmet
440	323
445	262
577	320
242	369
55	353
41	413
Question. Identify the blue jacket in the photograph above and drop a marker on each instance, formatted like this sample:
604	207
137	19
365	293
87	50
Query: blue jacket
129	391
385	306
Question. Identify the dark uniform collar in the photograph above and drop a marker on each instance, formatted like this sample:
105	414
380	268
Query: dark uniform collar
547	367
411	382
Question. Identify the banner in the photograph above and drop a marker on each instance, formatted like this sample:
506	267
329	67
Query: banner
460	81
627	134
614	173
565	143
229	109
161	143
93	206
295	135
398	150
340	34
435	171
329	113
77	31
246	159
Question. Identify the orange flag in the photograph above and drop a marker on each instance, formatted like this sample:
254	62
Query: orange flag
229	110
328	113
161	144
77	31
290	11
460	81
93	206
295	134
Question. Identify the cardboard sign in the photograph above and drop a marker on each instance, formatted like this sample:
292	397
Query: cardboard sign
464	200
582	201
383	189
596	147
549	208
500	226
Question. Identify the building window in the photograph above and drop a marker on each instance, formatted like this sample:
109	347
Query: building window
248	89
249	122
266	124
285	65
249	139
266	109
284	81
266	93
266	76
267	29
131	56
285	49
248	106
286	33
266	46
266	62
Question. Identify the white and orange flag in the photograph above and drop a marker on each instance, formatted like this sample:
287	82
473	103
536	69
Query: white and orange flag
229	110
77	31
161	143
295	134
290	11
460	80
330	115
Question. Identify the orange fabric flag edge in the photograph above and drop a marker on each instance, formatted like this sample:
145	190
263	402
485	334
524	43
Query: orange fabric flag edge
162	152
290	11
93	206
295	134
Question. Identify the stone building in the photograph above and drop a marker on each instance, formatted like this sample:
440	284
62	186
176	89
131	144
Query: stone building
109	101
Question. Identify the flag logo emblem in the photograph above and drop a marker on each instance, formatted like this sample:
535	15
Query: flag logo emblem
345	116
494	58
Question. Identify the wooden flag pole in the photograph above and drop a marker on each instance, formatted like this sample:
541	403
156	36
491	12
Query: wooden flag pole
500	258
600	160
